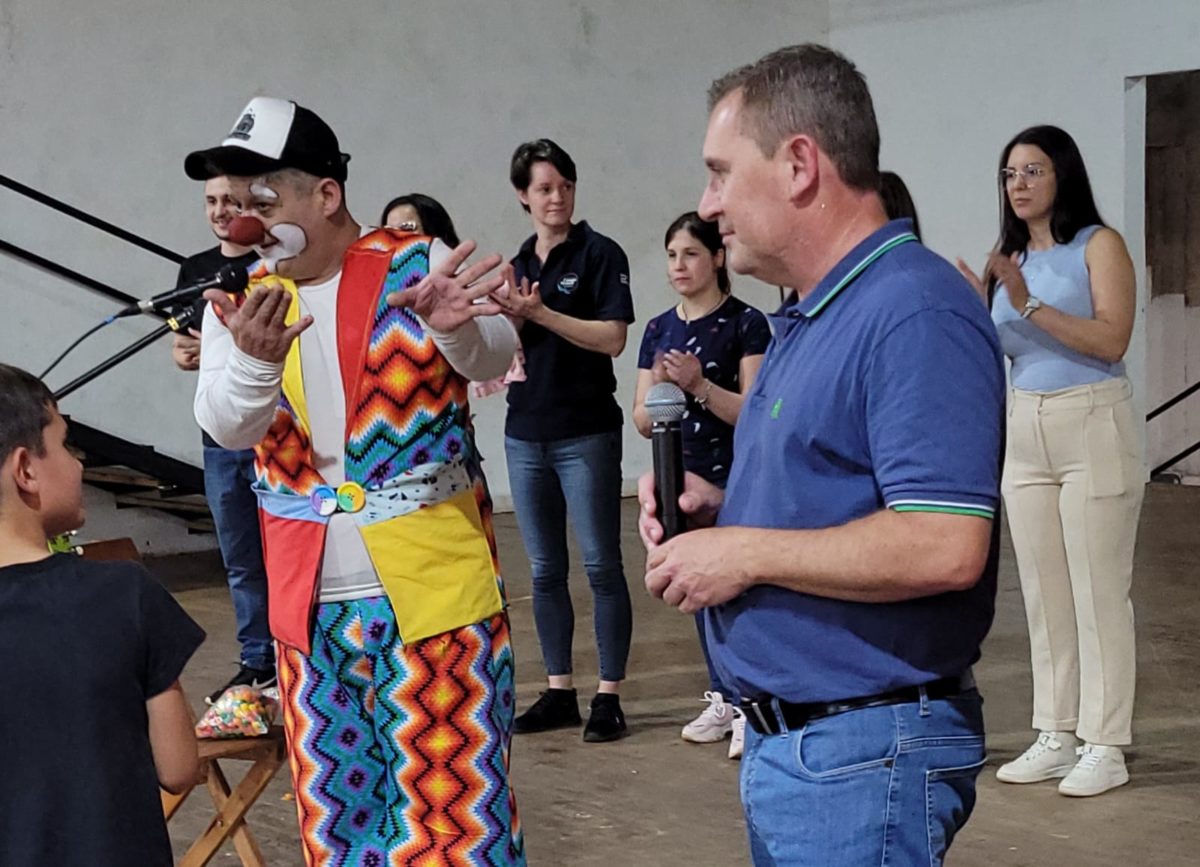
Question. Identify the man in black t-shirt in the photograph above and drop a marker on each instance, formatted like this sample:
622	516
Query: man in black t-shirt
228	474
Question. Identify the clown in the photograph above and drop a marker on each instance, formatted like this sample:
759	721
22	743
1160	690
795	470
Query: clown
345	365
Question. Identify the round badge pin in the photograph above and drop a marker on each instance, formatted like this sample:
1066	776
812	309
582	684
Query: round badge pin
324	501
351	497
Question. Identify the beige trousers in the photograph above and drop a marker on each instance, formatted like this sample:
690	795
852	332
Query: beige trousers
1073	485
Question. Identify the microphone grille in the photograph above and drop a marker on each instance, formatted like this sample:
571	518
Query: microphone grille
666	402
233	278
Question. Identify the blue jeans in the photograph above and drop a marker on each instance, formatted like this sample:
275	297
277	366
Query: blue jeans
579	478
879	785
714	679
227	479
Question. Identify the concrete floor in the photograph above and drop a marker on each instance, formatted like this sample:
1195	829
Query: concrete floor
651	799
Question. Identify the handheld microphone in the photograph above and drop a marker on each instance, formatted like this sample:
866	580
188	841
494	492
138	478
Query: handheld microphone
666	404
230	278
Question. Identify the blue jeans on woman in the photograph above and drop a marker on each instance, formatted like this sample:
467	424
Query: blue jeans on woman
579	479
878	785
228	475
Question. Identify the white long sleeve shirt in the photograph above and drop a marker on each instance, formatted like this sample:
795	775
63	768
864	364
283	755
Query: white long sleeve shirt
236	397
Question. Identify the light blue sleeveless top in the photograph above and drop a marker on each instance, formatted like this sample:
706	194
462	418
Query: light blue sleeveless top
1059	277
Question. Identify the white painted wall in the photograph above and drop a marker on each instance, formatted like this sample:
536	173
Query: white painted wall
100	102
953	80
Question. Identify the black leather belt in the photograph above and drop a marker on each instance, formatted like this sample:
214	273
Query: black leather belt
763	714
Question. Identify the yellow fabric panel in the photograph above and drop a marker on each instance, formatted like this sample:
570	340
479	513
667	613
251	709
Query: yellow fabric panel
293	377
436	567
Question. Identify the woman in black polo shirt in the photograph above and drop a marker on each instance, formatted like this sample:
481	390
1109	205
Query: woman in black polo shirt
563	433
711	345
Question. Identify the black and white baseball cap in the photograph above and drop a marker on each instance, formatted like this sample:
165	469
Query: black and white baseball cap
272	134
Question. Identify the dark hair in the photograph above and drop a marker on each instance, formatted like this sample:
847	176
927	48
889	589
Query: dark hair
543	150
1074	206
706	233
809	90
26	408
435	220
897	201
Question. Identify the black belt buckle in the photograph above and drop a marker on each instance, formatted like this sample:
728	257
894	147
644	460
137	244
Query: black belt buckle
767	715
763	723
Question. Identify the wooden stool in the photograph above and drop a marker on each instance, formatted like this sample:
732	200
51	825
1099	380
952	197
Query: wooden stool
267	753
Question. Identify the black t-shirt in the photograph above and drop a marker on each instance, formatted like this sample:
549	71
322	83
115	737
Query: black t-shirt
200	267
720	341
568	391
83	646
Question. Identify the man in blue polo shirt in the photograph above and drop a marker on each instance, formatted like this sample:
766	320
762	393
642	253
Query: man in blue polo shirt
847	598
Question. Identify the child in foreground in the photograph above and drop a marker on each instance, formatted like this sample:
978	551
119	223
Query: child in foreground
94	719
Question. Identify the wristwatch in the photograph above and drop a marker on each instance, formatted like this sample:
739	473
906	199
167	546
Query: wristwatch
1033	303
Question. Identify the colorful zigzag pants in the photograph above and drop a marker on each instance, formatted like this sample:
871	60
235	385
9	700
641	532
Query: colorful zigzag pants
399	754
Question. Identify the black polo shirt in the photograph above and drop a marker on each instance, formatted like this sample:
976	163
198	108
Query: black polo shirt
568	391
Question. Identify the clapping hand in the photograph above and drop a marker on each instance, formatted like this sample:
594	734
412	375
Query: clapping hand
1006	270
520	300
683	369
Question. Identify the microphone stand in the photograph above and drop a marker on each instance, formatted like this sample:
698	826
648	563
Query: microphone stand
173	323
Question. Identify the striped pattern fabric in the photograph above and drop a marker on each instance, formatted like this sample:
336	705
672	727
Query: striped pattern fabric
410	407
400	754
285	464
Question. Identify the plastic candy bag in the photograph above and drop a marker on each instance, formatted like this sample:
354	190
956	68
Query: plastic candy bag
240	712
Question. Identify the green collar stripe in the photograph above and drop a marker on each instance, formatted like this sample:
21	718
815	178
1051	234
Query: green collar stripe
890	244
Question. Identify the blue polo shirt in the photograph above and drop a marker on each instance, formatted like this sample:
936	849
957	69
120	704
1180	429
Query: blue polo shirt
882	388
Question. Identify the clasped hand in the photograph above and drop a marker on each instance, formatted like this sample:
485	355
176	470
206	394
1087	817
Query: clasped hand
681	368
700	568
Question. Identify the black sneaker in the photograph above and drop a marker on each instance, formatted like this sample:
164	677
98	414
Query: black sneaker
554	709
257	678
607	721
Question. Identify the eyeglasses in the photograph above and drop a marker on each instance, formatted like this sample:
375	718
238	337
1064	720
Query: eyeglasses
1031	174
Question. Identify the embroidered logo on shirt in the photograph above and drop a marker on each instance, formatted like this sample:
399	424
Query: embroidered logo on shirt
776	407
568	283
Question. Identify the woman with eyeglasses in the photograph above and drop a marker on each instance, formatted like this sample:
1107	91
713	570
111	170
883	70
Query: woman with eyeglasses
1062	295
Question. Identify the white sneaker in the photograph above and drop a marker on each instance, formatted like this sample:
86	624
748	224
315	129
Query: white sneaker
714	722
1051	756
1098	770
737	741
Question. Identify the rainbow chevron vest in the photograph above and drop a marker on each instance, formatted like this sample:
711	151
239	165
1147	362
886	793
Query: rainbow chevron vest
414	483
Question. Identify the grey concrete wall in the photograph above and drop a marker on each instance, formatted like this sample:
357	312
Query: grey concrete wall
99	102
954	80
